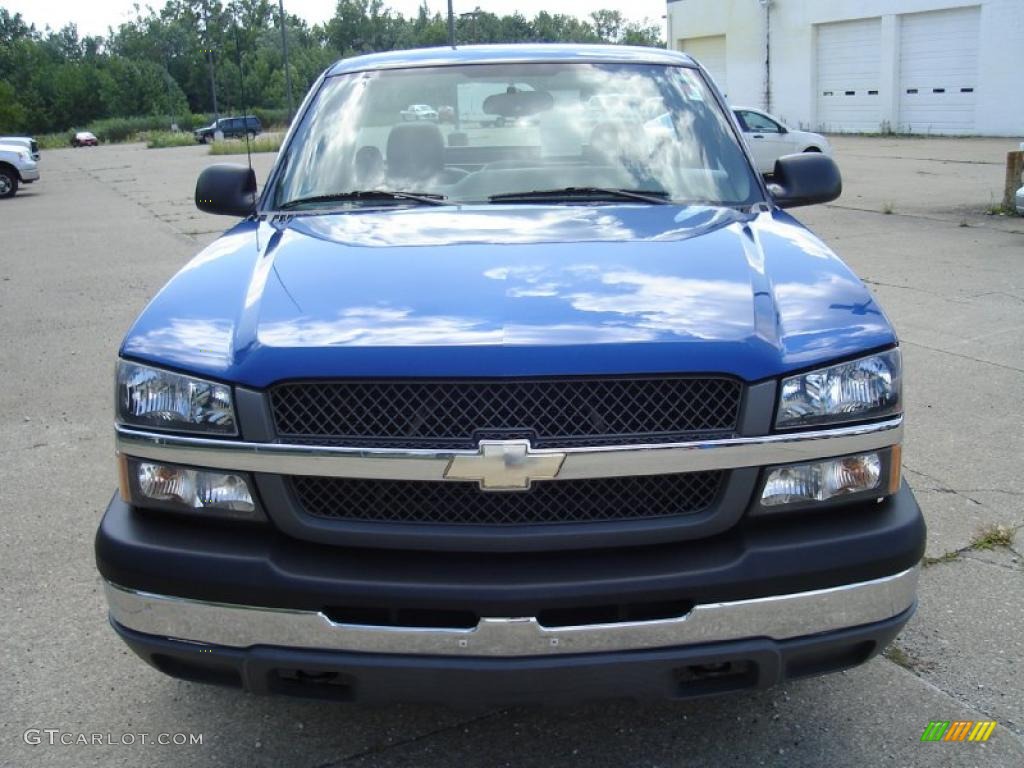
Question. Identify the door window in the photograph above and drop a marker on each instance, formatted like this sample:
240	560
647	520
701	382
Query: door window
755	122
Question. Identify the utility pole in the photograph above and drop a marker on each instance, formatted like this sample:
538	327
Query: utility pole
209	58
767	5
170	88
451	24
284	51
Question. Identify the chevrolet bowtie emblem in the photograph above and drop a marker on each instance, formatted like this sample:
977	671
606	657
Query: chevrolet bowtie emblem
505	465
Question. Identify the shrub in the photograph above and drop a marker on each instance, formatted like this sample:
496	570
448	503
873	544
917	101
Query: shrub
267	142
271	117
53	140
164	139
117	129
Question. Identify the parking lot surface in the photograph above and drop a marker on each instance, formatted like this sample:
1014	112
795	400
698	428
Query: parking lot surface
85	248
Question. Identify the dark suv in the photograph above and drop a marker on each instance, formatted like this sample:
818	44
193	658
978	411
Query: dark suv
231	127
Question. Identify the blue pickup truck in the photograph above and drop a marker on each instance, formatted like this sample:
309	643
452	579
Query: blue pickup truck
563	408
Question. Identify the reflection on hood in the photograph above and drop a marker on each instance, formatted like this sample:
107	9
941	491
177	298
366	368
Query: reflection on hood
511	290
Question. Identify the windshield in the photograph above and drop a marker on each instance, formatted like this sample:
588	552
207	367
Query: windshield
489	132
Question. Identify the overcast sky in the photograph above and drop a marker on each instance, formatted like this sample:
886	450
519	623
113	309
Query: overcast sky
94	16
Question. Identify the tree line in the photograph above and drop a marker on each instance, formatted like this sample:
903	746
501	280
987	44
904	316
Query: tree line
160	63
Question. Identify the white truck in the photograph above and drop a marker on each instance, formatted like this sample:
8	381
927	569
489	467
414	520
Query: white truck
25	141
16	167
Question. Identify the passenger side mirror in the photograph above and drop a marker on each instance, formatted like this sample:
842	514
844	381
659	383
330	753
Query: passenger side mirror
805	179
226	189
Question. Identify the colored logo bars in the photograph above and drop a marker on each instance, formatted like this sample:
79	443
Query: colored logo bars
958	730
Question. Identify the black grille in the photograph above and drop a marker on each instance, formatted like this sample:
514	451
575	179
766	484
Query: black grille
560	501
551	413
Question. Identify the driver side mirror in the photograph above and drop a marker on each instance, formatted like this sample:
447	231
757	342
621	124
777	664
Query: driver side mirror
226	189
805	179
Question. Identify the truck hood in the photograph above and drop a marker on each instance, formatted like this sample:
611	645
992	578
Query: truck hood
510	290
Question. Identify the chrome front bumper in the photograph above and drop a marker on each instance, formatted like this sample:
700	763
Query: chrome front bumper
778	617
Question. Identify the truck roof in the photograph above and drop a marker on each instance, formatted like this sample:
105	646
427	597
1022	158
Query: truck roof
502	54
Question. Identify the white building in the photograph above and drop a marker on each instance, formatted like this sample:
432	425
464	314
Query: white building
917	66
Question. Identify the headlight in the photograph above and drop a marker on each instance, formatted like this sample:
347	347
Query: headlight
861	477
157	399
209	493
860	389
822	480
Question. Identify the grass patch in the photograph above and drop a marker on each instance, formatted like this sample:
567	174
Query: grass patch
998	209
897	655
992	536
264	143
946	557
988	537
164	139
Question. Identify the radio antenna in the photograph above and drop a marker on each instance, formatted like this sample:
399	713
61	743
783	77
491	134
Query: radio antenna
241	88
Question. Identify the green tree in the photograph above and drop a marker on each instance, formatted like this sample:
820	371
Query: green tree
12	114
608	25
158	62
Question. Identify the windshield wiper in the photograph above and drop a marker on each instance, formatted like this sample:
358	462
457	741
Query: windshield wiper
655	196
425	198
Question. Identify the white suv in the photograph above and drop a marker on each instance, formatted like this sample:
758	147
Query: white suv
16	167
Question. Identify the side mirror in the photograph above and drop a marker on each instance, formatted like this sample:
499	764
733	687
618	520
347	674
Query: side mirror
805	179
226	189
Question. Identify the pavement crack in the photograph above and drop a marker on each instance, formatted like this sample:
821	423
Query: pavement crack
968	555
915	289
381	749
979	224
1013	296
964	357
940	486
913	159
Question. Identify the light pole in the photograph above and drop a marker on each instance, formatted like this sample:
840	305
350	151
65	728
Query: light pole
284	50
451	24
472	15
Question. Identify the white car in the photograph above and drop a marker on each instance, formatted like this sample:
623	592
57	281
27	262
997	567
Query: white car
419	112
769	139
16	167
1019	201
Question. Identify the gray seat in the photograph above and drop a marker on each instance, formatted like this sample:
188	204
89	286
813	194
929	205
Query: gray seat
369	168
415	154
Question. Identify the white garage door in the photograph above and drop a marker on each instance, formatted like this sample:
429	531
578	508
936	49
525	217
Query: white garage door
710	52
938	71
849	62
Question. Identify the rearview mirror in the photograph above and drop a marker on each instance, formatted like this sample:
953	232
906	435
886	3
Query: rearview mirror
514	104
226	189
805	179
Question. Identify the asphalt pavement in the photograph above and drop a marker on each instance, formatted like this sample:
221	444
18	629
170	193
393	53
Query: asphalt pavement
84	249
